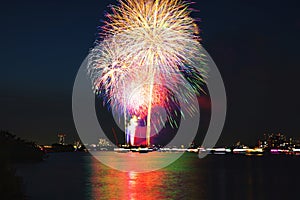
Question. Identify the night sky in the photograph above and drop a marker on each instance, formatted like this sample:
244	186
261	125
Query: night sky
255	44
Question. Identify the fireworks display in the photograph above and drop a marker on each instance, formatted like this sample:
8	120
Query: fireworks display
149	50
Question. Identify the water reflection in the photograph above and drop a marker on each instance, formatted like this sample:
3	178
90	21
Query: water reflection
180	180
80	176
112	184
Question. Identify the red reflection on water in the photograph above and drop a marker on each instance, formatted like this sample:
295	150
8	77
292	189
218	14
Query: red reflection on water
108	183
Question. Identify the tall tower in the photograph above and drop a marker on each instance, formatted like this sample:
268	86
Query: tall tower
61	138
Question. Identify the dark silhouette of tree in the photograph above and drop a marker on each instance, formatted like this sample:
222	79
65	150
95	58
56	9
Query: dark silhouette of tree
14	150
18	150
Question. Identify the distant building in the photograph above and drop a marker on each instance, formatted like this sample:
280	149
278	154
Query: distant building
61	138
104	142
276	141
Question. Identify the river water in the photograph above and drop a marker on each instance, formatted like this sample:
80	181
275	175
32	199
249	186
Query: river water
65	176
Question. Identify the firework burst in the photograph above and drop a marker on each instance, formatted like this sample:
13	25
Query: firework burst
149	50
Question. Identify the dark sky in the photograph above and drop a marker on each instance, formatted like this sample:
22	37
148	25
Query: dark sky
255	44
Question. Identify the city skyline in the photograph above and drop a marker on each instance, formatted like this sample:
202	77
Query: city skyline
263	141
